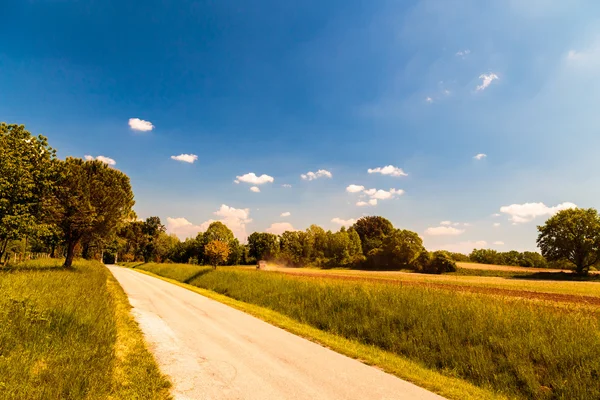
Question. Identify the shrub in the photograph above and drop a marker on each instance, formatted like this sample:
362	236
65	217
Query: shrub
440	262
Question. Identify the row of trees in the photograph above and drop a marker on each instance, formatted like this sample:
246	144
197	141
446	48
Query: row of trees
51	204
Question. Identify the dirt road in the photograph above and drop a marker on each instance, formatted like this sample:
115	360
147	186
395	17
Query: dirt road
212	351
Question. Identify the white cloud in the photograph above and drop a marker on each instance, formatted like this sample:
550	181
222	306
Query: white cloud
443	231
355	188
487	80
496	215
286	214
446	223
279	227
234	218
105	160
464	247
286	185
429	100
188	158
463	53
343	222
182	227
322	173
498	243
255	189
140	125
496	224
480	156
387	170
521	213
373	202
255	180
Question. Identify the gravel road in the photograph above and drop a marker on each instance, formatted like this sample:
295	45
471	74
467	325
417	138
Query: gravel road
212	351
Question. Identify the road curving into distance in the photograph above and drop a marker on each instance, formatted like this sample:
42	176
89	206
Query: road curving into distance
213	351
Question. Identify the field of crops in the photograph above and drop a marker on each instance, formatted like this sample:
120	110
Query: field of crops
511	345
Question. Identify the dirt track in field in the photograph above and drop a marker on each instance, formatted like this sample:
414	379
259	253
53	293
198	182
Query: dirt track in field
556	297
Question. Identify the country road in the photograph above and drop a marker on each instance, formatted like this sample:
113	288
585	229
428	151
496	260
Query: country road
212	351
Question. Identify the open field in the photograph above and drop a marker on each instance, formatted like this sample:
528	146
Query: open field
68	334
515	348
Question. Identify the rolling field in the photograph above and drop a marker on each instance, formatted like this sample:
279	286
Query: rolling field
68	334
514	348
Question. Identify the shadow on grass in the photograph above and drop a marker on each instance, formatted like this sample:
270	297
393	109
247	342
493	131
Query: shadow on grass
197	274
37	269
559	276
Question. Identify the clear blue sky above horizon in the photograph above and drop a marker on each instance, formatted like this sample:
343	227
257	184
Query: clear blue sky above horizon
280	89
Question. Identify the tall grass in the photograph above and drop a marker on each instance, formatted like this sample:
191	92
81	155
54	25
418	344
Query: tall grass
513	347
59	331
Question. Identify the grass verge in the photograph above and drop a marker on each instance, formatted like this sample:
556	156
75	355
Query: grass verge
68	334
449	387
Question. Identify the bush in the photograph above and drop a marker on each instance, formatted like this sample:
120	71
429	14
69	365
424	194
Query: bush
440	262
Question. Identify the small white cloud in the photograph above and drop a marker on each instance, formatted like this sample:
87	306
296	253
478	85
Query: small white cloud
255	180
236	181
373	202
286	214
521	213
355	188
498	243
279	227
188	158
182	227
428	100
388	170
463	53
370	192
480	156
255	189
496	215
140	125
322	173
487	80
105	160
286	185
446	223
443	231
496	224
343	222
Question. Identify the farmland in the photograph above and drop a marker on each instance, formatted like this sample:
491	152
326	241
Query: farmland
67	334
515	346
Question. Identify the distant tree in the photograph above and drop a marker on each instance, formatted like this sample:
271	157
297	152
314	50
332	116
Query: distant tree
533	260
440	262
218	231
402	248
216	252
89	198
26	179
263	245
485	256
152	229
292	248
572	235
459	257
372	231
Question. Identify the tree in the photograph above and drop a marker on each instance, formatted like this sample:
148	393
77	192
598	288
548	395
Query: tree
152	228
90	198
402	248
439	262
572	235
263	245
26	172
371	231
216	252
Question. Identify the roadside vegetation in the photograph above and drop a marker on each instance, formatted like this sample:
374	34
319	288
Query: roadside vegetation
516	348
68	334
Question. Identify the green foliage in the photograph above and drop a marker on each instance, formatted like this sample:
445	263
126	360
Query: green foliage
263	246
372	231
439	263
58	333
402	248
90	199
26	172
514	258
572	235
521	349
216	252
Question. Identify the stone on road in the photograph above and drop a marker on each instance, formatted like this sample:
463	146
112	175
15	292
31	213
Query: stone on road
213	351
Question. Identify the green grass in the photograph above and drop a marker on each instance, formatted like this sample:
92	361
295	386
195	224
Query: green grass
516	348
68	334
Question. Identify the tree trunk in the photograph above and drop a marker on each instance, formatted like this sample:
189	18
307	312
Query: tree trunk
53	253
70	253
3	249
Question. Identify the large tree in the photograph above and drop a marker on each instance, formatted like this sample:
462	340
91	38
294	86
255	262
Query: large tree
216	252
572	235
90	198
263	245
26	177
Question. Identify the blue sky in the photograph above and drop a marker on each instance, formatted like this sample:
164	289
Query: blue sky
280	89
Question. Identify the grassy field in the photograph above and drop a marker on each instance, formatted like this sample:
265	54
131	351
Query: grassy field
517	348
68	334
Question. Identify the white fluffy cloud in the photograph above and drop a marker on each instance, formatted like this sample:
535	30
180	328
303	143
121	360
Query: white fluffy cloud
343	222
487	80
496	215
480	156
286	185
105	160
286	214
251	177
465	247
429	100
279	227
322	173
188	158
235	219
387	170
255	189
371	202
521	213
443	231
498	243
463	53
140	125
182	227
446	223
355	188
